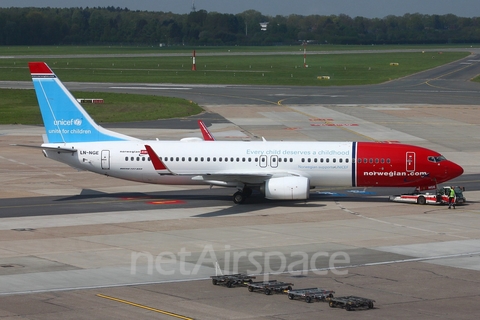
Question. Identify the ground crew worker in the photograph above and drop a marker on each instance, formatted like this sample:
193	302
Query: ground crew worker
451	198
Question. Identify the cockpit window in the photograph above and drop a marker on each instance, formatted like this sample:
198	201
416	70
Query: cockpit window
436	158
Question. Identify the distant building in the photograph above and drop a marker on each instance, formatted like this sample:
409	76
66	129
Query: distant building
263	26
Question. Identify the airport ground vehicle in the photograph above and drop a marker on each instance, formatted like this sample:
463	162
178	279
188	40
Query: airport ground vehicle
269	287
310	294
232	280
440	196
350	303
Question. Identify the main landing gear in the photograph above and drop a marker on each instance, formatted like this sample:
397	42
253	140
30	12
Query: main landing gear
241	195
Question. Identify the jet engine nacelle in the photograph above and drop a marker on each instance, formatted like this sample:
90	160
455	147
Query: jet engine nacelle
287	188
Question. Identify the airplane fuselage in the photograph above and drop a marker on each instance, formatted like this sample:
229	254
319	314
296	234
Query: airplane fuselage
349	164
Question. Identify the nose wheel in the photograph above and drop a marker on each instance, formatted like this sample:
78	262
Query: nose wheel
241	195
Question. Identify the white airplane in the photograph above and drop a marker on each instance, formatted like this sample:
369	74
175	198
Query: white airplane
280	170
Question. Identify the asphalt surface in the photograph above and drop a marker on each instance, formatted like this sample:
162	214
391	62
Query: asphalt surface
62	230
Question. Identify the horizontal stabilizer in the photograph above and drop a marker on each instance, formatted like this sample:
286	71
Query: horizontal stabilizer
58	149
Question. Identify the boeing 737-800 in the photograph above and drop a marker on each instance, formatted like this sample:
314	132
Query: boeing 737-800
280	170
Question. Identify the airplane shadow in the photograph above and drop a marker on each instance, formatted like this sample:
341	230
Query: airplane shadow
201	198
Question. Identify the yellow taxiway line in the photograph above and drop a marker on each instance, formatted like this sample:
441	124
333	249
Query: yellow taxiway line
178	316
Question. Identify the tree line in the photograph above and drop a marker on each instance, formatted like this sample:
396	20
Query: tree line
110	25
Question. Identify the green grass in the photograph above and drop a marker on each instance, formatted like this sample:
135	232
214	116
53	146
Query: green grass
20	107
343	69
235	65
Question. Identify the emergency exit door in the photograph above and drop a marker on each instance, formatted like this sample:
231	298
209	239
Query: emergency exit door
410	161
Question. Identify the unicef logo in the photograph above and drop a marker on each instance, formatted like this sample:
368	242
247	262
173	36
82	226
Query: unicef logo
63	122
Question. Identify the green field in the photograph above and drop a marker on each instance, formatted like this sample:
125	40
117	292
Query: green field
343	69
20	107
222	65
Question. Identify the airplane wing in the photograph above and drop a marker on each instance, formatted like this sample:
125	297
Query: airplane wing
225	176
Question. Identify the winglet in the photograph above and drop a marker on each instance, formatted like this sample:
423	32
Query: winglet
40	69
157	163
207	136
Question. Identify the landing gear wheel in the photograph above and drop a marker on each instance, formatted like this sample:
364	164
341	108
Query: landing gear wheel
239	197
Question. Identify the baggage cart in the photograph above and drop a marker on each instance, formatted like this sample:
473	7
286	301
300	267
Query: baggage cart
351	303
269	287
310	294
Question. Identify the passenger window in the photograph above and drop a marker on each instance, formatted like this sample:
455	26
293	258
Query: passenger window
126	158
334	160
388	160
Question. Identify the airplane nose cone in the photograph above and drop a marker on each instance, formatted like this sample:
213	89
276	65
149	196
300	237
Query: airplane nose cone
454	170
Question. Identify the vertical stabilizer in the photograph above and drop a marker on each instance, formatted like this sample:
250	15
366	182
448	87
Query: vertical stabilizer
64	118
